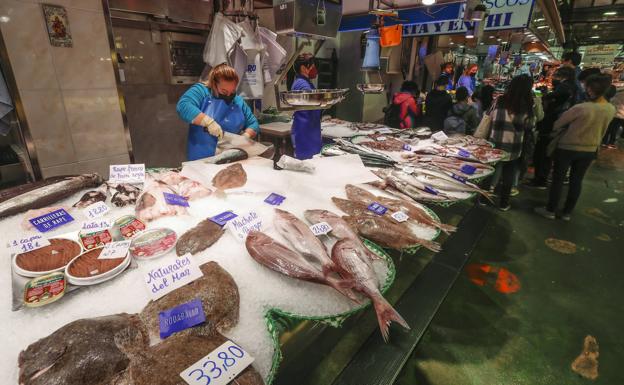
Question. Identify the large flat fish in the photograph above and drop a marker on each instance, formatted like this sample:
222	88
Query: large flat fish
23	198
82	352
277	257
352	263
302	239
185	187
230	177
199	238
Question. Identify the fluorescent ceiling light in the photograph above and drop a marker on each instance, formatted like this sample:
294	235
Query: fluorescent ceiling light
595	37
492	37
540	19
542	27
595	26
610	13
428	2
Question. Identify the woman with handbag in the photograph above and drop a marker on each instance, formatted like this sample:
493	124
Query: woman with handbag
576	137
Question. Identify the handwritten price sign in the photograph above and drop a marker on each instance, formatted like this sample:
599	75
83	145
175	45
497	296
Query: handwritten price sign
96	210
321	228
115	250
24	245
126	173
219	367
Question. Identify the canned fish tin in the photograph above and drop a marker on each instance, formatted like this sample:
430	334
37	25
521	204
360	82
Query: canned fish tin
127	227
95	239
153	243
44	290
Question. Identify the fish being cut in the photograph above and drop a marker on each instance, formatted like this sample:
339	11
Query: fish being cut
340	229
217	291
302	239
151	204
352	263
90	197
162	363
82	352
228	156
185	187
277	257
230	177
199	238
43	194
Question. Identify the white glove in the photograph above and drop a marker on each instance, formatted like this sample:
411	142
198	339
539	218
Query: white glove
212	127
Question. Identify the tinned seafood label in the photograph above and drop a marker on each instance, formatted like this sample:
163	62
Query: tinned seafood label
175	200
223	218
275	199
51	220
219	367
458	178
181	317
377	208
468	169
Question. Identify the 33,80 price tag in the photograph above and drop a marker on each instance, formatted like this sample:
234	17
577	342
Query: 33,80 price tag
219	367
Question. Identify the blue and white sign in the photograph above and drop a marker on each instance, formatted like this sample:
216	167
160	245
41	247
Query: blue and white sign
181	317
223	218
468	169
219	367
51	220
275	199
173	199
415	15
377	208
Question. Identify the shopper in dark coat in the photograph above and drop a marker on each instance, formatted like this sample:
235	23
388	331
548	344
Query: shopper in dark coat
437	104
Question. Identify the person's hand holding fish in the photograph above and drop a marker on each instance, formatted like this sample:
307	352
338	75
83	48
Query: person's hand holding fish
212	127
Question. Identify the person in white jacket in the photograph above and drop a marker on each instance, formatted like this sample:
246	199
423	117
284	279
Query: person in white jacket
617	122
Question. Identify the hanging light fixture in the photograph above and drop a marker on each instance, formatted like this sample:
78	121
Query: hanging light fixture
428	2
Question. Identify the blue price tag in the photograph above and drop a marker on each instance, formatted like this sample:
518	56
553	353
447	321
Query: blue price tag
176	200
377	208
431	190
274	199
51	221
463	153
468	169
223	218
407	147
181	317
458	177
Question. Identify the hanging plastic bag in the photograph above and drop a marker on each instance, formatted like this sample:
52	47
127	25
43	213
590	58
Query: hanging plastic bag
223	36
275	54
390	36
252	82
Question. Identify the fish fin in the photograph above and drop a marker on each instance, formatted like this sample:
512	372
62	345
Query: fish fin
446	228
220	194
343	286
431	245
385	315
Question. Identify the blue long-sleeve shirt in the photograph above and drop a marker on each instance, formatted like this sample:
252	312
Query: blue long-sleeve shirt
468	82
189	104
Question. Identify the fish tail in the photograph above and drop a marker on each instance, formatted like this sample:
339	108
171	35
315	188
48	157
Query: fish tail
431	245
446	228
385	315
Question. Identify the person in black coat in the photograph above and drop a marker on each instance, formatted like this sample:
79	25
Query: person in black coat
437	104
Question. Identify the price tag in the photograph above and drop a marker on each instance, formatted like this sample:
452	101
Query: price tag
181	317
219	367
244	224
51	220
223	218
176	200
115	250
93	226
463	153
381	138
468	169
408	169
321	228
377	208
459	178
384	130
274	199
431	190
96	210
407	147
439	136
126	173
399	216
26	244
170	275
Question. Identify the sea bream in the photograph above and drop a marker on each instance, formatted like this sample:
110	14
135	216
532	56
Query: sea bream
45	193
340	229
277	257
352	263
445	182
302	239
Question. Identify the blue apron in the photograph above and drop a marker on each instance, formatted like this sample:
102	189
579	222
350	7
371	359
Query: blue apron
306	126
229	116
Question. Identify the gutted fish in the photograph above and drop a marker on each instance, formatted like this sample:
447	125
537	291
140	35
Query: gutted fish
277	257
45	193
230	177
199	238
217	291
151	204
185	187
302	239
82	352
90	197
352	263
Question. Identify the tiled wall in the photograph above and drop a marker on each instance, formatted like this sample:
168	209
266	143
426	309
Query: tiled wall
69	94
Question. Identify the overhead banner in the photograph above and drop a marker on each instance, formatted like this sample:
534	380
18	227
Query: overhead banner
600	54
502	14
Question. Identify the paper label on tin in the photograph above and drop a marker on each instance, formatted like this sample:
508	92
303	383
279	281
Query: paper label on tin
219	367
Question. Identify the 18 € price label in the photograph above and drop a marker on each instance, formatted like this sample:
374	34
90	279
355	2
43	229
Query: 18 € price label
219	367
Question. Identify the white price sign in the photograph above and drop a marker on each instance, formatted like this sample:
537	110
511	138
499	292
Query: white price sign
399	216
219	367
93	226
126	173
381	138
170	275
244	224
96	210
115	250
408	169
321	228
26	244
439	136
384	130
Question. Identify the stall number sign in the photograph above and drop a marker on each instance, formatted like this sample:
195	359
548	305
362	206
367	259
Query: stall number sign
175	200
126	173
384	130
377	208
96	210
51	220
181	317
275	199
244	224
26	244
219	367
400	216
223	218
439	136
115	250
321	228
93	226
171	275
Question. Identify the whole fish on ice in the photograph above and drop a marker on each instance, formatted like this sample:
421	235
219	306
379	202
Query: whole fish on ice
230	177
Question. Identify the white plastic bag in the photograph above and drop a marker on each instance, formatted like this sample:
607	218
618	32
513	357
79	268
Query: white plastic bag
223	36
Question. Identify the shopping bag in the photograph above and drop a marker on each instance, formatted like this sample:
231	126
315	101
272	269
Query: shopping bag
483	129
390	36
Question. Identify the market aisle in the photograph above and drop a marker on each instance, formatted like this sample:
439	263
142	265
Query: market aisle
528	332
